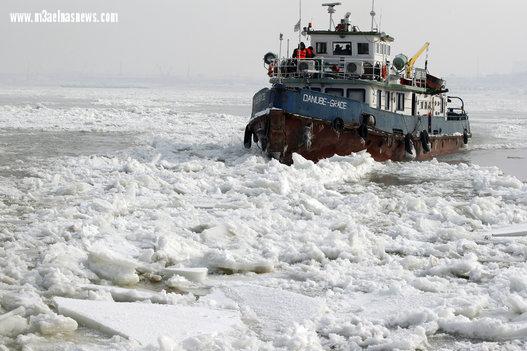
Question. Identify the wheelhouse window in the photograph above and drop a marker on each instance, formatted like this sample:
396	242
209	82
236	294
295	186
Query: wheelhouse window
335	91
321	48
363	48
357	95
400	101
388	102
379	99
342	48
385	49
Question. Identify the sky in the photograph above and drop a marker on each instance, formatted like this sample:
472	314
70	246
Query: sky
228	38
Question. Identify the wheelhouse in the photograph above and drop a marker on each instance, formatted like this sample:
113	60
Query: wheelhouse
360	65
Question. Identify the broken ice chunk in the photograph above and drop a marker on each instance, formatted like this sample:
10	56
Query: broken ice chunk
275	309
517	230
112	266
225	261
51	324
197	275
147	323
12	323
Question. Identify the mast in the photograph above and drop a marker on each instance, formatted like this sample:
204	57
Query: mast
331	11
372	14
280	58
300	21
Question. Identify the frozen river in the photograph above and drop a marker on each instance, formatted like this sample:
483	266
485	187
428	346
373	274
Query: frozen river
102	188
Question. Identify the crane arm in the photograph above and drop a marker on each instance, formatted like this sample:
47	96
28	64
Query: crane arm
413	60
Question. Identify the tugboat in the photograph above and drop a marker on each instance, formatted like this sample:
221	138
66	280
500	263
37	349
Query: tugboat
346	93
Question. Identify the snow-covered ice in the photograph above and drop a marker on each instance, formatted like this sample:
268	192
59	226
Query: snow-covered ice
147	323
510	231
345	254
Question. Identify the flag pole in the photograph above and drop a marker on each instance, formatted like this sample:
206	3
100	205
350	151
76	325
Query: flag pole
300	17
280	58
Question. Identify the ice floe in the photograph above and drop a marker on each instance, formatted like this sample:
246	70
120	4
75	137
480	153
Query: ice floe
148	323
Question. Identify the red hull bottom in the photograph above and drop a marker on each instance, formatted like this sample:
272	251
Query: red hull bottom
281	134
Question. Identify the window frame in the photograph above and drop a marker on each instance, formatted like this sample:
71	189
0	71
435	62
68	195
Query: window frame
388	101
334	89
363	91
343	44
359	48
401	99
317	46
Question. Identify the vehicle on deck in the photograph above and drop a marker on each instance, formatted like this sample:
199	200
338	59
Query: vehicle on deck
351	94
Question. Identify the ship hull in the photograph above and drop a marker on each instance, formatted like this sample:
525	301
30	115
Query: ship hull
280	135
317	126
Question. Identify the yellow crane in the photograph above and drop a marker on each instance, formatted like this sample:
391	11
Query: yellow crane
413	60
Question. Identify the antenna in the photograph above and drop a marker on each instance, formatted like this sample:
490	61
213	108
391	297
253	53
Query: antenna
331	11
300	23
280	57
372	14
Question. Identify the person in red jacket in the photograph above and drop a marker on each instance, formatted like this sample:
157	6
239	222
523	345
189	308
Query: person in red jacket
310	52
301	53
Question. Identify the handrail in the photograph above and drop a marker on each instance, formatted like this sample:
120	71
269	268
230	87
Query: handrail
452	110
335	68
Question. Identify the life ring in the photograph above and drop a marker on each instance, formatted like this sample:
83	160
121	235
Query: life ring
425	141
384	72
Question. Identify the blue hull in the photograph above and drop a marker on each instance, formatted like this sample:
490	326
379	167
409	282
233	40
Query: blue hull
328	108
317	125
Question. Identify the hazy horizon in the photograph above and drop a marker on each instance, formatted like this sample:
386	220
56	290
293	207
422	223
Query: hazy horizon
228	38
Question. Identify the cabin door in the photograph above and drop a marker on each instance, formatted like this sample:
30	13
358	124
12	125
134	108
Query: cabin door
414	104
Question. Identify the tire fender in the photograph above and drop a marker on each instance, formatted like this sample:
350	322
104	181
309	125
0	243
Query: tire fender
425	141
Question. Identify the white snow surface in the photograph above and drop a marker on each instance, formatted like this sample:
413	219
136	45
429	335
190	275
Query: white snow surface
511	231
147	323
346	254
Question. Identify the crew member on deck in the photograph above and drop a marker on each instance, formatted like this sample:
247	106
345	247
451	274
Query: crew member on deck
301	52
310	52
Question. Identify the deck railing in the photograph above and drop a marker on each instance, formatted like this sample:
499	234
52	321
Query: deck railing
324	68
335	68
